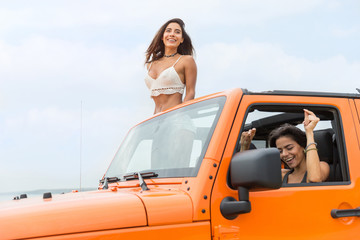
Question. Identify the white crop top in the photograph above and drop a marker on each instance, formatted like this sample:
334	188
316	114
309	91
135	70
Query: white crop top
168	82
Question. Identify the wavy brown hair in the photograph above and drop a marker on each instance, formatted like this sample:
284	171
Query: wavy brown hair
156	50
287	130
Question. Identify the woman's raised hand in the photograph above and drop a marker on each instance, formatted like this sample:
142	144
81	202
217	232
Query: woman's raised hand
310	120
246	138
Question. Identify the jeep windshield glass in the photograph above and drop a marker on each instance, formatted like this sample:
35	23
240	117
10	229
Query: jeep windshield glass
171	144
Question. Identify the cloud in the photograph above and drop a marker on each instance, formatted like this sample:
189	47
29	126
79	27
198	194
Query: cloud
10	18
264	66
43	82
73	14
45	144
245	12
43	57
65	72
345	32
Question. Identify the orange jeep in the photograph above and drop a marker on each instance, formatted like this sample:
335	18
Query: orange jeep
179	175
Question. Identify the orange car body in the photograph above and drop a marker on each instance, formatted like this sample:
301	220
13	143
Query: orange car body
189	207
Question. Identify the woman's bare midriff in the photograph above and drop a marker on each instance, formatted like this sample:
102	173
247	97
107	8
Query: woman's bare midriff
164	101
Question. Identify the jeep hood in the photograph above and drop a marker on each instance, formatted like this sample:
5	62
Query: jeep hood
73	213
70	213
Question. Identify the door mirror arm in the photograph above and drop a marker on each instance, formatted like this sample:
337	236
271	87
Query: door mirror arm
230	208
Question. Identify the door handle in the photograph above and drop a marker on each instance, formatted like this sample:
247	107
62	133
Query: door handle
338	213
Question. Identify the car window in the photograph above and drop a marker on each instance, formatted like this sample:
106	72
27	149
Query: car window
327	133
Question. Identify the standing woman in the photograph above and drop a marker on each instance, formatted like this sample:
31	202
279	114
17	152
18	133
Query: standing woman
171	67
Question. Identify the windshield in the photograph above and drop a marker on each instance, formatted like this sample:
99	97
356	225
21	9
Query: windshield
171	144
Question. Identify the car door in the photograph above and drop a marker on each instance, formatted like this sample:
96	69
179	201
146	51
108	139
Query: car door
299	211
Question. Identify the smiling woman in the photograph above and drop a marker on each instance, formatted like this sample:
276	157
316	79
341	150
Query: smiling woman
298	150
171	67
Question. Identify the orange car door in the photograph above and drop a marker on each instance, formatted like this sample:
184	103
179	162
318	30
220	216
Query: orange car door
299	212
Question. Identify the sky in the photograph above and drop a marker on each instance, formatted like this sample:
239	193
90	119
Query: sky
72	71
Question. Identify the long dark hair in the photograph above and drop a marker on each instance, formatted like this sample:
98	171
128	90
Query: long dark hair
287	130
156	50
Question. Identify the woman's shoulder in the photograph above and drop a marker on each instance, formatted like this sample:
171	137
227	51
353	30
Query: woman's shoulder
188	60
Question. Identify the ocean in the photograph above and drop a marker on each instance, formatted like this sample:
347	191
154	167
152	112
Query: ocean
6	196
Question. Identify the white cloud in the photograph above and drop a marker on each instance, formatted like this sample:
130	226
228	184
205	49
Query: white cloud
65	14
246	12
263	66
47	120
43	71
44	145
345	33
42	82
45	58
11	18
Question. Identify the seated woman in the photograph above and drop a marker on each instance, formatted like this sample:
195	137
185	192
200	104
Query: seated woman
297	150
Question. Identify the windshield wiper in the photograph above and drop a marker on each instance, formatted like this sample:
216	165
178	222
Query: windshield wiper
108	180
135	175
141	176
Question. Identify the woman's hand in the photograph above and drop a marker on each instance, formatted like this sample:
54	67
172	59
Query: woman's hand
246	138
310	120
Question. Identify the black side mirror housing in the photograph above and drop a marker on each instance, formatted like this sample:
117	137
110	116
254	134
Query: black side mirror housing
257	170
254	170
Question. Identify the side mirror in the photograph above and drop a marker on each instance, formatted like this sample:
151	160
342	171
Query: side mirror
255	170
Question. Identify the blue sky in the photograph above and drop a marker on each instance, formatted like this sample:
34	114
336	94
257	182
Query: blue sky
63	60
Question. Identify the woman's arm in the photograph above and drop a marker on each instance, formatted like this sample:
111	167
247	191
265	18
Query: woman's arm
190	78
317	171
